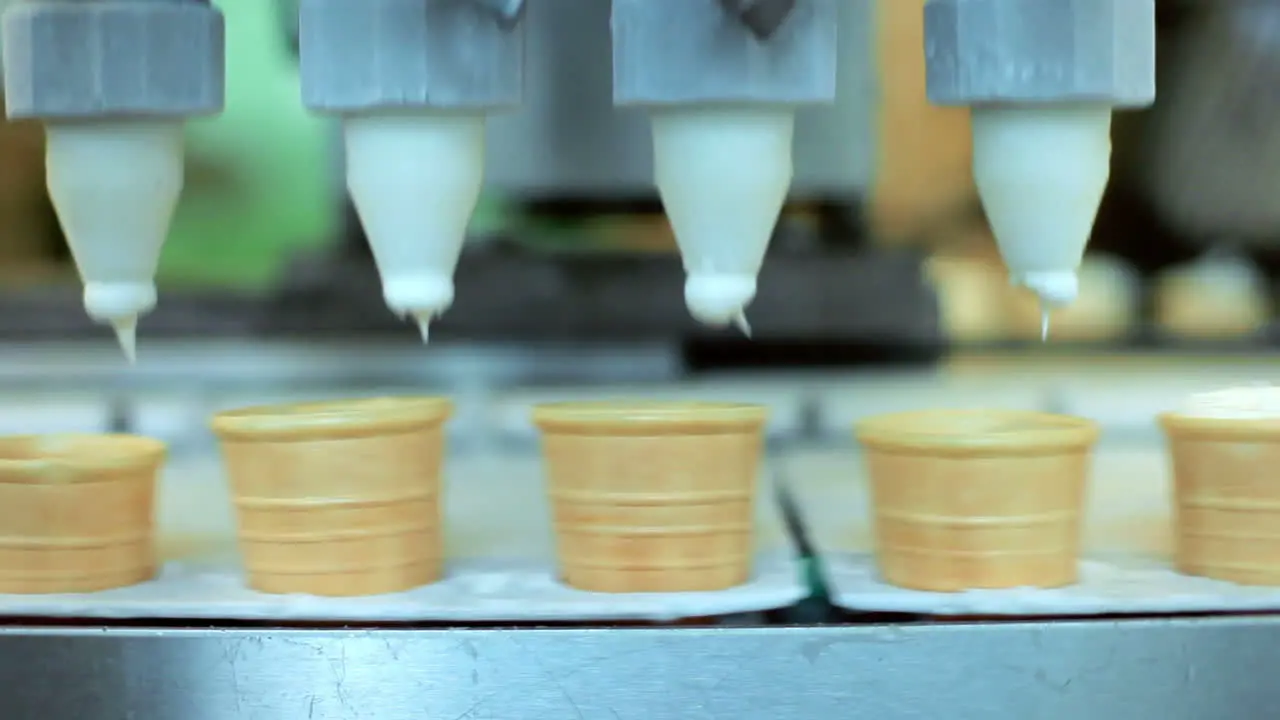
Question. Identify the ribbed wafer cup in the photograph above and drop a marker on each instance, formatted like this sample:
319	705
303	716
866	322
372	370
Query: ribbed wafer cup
338	498
968	499
1226	497
652	496
77	512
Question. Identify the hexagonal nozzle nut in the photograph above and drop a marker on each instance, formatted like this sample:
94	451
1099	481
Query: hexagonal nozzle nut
385	54
79	60
1036	51
678	52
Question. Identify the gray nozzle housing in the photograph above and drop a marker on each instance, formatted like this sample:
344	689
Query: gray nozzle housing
669	52
387	54
73	59
1037	51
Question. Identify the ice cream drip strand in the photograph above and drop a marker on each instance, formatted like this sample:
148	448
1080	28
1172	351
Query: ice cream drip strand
127	336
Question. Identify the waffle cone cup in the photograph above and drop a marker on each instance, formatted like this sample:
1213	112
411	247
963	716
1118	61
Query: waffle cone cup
977	499
1226	497
77	512
338	498
652	496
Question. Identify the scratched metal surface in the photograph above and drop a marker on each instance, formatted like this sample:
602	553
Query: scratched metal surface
1172	669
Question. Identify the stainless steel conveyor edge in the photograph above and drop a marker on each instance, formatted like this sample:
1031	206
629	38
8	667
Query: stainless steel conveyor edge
1168	668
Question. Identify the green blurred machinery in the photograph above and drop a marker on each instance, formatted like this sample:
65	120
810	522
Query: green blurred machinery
260	185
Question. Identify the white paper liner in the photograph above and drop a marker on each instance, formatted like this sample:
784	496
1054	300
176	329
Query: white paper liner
1108	586
1126	568
501	565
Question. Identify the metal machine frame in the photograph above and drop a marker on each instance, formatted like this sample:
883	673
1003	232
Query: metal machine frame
1173	668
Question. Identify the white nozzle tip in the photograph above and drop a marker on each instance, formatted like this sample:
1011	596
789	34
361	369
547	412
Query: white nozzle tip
127	336
1055	289
740	322
420	296
424	328
120	304
113	301
718	299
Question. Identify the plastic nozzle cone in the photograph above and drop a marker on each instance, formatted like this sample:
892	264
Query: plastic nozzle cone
415	178
115	185
723	174
1041	171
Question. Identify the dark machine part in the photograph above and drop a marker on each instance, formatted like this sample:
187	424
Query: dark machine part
1199	171
764	17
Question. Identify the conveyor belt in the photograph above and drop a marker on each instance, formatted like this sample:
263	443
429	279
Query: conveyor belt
1189	667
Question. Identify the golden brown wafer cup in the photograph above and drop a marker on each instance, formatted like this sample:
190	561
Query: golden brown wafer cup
77	512
1226	497
339	498
968	499
652	496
